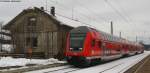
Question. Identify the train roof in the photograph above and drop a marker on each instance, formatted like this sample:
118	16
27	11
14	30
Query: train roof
81	29
84	29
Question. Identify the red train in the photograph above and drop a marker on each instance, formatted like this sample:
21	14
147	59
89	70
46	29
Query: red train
86	45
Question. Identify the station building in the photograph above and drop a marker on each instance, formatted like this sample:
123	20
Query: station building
38	32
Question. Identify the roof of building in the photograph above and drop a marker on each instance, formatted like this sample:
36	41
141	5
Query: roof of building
35	9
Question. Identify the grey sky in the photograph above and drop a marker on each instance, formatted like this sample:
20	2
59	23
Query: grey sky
99	13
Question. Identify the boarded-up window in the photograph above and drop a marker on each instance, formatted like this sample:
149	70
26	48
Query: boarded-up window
35	41
32	41
27	41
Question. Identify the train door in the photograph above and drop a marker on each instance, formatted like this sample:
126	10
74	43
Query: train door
104	49
95	46
108	48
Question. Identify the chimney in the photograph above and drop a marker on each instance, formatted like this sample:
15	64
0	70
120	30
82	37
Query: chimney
42	8
53	11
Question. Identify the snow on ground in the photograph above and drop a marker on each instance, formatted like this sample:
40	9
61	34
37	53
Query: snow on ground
117	66
9	61
7	48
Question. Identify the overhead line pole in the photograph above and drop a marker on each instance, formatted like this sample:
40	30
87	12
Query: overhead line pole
120	34
136	39
111	29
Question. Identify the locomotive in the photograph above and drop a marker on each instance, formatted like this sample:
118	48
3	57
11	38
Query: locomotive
87	45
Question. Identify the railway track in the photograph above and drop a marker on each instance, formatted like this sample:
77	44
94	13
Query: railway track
63	70
73	69
110	68
120	65
116	66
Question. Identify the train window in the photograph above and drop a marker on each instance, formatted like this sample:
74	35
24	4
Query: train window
104	36
114	38
111	38
77	35
77	40
93	43
107	37
99	44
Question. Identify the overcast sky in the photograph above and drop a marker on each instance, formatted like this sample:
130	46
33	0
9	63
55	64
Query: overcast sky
131	17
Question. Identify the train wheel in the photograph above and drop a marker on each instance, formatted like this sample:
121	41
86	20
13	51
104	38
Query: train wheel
83	63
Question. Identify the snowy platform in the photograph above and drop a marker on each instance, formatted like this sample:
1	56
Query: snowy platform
117	66
9	63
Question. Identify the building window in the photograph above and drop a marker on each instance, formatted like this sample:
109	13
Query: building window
32	21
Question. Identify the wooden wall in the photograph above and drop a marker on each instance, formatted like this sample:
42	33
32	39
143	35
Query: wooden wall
51	37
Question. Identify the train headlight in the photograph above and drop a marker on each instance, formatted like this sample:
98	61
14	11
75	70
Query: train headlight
92	52
80	48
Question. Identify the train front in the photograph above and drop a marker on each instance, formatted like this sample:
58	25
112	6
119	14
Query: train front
77	50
